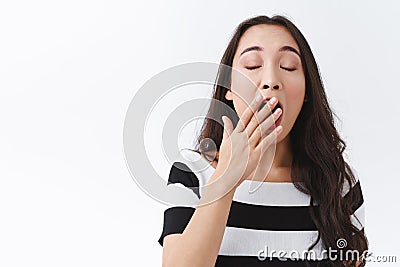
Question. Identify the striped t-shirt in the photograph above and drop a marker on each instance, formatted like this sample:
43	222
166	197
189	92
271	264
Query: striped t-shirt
270	226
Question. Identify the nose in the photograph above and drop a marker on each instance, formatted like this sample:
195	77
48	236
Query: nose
273	85
270	79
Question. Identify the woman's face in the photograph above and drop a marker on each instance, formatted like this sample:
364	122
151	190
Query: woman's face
274	71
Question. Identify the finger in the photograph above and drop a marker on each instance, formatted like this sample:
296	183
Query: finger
264	112
228	127
248	114
268	140
265	127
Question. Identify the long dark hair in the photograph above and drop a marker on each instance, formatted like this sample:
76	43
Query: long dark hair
317	147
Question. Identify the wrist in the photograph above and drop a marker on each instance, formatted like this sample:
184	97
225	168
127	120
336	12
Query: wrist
218	187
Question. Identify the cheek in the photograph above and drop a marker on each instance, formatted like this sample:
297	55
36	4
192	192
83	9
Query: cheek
243	91
294	101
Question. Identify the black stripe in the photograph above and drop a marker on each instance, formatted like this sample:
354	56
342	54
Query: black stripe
277	218
243	215
283	218
249	216
181	173
175	221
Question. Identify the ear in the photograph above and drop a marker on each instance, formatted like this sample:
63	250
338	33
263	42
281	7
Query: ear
228	95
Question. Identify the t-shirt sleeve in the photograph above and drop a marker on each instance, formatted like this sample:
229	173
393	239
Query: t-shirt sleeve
355	197
176	218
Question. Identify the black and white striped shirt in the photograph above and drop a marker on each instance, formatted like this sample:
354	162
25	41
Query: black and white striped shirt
267	227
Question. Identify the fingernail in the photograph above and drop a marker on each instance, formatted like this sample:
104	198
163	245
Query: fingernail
279	129
258	98
278	111
272	100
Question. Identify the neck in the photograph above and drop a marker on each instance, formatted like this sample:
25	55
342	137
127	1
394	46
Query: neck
283	154
280	170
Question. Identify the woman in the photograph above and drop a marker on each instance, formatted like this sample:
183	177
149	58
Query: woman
308	197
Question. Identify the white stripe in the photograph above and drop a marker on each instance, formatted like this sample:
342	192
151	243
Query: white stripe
283	244
251	192
204	170
360	215
270	194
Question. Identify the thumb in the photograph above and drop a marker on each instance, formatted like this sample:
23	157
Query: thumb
228	127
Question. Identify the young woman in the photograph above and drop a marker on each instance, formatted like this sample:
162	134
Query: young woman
308	200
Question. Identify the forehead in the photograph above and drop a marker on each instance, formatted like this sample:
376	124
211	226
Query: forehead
271	37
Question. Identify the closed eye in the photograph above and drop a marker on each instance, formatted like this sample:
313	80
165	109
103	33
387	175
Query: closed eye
256	67
288	69
252	67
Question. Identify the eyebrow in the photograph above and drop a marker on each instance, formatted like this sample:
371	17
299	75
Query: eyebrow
282	49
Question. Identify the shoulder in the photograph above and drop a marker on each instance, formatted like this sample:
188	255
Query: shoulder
191	170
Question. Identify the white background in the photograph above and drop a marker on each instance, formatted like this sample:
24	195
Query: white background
69	69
